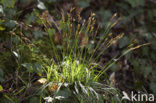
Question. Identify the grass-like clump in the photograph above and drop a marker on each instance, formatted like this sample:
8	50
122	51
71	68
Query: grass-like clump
75	59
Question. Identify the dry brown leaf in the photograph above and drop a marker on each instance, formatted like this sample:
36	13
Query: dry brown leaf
54	87
40	82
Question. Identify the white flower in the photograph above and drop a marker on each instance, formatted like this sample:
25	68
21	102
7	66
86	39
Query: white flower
48	99
92	42
66	84
59	97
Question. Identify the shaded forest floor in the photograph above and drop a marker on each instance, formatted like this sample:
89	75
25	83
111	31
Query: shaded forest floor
76	51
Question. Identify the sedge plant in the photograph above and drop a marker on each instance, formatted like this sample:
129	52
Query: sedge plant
72	73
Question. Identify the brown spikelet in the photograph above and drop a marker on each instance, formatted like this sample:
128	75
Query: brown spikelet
57	38
84	41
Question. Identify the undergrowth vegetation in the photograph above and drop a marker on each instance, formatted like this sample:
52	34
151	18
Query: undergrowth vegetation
73	68
60	66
